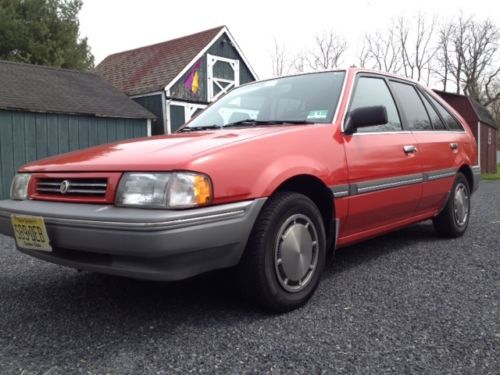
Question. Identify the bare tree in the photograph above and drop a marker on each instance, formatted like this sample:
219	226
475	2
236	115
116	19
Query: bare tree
417	47
478	54
494	106
364	57
381	51
469	58
327	51
444	53
406	47
300	63
280	61
456	63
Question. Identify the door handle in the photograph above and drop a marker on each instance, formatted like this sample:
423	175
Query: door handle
454	146
409	149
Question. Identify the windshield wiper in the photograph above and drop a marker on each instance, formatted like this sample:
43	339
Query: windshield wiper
202	127
245	122
252	122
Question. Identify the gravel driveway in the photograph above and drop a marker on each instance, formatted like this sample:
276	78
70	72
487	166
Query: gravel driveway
407	302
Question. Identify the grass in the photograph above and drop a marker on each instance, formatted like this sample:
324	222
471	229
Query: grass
492	176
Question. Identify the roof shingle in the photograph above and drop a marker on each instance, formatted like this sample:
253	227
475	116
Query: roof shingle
482	113
151	68
44	89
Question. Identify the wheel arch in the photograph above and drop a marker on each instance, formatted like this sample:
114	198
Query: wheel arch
466	170
322	196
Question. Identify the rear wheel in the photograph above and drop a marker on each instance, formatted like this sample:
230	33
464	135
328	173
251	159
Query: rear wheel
454	219
285	254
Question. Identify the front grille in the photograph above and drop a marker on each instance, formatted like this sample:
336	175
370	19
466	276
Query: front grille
83	187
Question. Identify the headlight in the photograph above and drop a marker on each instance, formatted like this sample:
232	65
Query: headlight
189	190
164	190
19	186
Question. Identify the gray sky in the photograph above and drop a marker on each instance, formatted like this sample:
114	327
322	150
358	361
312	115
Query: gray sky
117	25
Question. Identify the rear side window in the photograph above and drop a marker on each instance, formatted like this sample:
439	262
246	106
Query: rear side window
437	124
448	119
412	106
373	92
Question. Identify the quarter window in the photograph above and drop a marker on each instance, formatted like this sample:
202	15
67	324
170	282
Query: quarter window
437	124
448	119
412	106
374	92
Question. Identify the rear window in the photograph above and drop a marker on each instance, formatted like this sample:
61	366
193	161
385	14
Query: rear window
436	121
448	119
414	109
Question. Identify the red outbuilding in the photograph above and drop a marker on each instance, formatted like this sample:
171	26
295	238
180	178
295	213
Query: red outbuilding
482	125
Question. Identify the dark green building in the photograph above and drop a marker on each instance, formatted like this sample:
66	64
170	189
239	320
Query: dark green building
46	111
176	79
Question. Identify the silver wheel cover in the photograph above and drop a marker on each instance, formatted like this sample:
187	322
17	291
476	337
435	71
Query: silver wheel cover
461	204
296	253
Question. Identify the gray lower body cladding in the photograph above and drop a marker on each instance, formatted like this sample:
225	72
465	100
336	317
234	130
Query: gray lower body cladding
476	177
139	243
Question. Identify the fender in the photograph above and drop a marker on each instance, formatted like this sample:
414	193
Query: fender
287	167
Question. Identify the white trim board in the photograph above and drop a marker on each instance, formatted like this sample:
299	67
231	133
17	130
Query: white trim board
189	109
205	49
164	112
479	143
143	95
215	81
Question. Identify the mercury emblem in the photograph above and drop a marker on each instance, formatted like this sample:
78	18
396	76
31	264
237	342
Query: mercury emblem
63	188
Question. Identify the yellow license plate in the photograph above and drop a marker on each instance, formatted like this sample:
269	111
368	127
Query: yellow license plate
30	232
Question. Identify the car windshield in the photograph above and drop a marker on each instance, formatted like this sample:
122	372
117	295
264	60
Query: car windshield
303	99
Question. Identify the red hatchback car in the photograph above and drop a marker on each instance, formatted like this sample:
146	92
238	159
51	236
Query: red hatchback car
270	178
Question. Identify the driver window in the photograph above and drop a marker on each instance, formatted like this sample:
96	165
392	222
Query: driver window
371	91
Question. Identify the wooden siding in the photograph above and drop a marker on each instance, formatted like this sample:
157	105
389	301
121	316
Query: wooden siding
153	103
177	117
26	136
488	150
223	48
178	91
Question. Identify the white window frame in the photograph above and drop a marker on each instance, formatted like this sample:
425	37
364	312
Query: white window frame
211	80
479	143
189	110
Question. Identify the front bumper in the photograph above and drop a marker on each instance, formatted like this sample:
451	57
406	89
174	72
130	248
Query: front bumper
140	243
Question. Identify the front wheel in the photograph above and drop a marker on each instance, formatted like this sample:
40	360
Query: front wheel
454	219
285	255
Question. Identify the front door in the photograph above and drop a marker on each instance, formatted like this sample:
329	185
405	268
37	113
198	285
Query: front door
385	174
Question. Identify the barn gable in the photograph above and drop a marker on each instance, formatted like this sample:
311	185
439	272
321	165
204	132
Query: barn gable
178	78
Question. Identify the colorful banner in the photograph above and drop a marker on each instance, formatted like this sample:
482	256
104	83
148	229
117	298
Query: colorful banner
192	81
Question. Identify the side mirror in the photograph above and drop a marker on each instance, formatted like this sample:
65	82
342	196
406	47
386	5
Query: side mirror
365	116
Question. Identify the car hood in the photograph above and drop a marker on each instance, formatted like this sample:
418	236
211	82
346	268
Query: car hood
153	153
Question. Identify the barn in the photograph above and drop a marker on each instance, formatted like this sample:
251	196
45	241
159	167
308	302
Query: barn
177	78
46	111
482	125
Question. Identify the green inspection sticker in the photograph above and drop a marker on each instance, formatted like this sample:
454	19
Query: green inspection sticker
318	115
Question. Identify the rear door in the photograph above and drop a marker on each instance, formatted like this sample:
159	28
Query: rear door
385	174
437	143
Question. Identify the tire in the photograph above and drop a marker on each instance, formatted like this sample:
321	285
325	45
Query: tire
275	272
453	220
